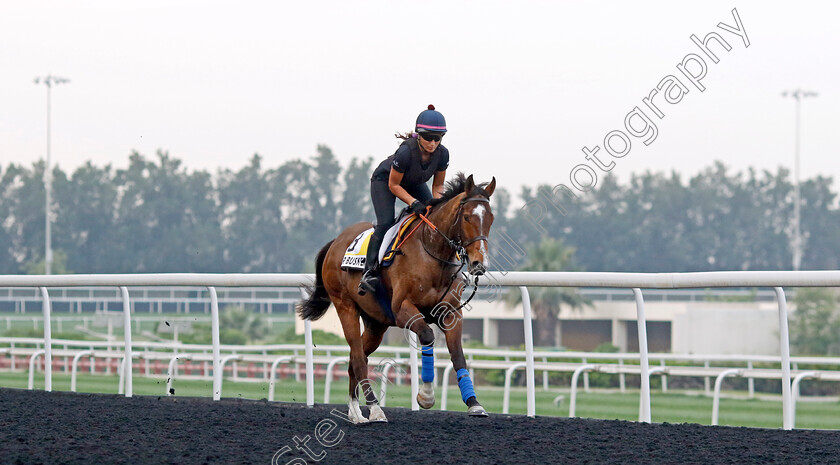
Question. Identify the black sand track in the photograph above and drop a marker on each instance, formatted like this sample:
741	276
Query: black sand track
40	427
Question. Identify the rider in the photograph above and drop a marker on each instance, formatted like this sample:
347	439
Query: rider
404	175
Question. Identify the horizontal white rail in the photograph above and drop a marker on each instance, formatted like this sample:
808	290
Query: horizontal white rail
513	278
634	281
160	279
669	280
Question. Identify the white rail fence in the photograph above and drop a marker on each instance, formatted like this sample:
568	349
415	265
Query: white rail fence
633	281
607	363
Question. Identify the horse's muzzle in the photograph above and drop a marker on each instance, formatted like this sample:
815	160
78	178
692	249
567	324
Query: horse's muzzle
477	268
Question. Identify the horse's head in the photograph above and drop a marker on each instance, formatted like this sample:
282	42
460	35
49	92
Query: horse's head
476	217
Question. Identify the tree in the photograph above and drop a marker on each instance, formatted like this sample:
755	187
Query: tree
39	266
252	202
815	325
737	223
85	219
24	198
820	223
549	255
355	201
244	320
8	260
168	219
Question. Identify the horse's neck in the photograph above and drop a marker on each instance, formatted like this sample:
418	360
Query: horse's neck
444	219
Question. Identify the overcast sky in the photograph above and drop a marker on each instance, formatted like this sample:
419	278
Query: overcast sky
524	85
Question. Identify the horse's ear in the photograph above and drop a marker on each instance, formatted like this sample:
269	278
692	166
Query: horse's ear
490	187
470	185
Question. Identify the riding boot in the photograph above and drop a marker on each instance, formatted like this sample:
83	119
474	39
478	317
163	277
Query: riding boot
370	279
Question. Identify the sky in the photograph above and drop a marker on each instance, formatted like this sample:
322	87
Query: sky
524	85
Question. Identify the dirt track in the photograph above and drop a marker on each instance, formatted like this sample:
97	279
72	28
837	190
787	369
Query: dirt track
39	427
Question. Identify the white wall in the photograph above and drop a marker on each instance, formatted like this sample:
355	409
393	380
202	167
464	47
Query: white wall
721	328
749	328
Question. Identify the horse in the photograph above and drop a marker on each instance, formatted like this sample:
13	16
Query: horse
423	285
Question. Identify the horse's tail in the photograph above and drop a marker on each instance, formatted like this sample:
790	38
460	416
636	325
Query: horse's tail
318	302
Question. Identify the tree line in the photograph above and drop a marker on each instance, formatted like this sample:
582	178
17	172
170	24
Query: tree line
716	220
157	215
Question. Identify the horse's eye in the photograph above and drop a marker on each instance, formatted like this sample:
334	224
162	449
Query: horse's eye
466	217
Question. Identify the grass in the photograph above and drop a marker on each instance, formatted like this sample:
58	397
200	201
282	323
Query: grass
665	407
67	330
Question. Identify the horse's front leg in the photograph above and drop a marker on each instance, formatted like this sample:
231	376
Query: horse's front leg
409	317
450	322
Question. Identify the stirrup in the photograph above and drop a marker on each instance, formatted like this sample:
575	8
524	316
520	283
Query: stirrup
368	282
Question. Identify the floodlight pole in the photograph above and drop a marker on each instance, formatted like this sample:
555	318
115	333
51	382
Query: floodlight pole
48	80
797	95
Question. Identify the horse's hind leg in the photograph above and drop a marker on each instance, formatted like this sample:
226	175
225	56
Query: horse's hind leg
349	317
371	339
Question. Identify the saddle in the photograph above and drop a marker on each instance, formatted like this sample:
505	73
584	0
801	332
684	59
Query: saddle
356	253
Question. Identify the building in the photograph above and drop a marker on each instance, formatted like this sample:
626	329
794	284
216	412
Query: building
678	321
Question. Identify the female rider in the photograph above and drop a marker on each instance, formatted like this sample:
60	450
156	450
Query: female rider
404	175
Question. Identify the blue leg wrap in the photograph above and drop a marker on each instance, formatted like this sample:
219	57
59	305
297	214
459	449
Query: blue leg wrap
428	372
465	384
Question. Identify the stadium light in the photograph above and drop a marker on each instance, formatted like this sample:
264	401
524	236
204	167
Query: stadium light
48	80
797	95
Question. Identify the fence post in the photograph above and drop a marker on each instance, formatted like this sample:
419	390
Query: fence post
784	343
214	331
127	338
415	368
796	381
47	341
718	384
310	365
644	400
529	353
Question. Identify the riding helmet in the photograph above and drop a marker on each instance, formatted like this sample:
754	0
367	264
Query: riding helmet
430	120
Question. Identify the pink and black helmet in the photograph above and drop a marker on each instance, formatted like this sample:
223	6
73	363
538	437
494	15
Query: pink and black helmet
430	120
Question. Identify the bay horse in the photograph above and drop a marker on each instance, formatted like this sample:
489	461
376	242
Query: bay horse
423	285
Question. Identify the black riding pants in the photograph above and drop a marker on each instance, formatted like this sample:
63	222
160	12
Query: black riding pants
383	204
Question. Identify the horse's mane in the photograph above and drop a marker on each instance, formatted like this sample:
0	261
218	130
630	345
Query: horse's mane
456	185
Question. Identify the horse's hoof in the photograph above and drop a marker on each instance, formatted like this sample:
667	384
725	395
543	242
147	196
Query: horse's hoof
477	411
377	415
426	402
426	396
355	413
357	419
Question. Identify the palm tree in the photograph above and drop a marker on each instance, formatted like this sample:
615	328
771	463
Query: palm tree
549	255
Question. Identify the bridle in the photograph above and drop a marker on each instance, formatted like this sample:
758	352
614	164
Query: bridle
458	247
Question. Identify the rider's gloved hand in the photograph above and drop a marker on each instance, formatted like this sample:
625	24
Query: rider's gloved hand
417	207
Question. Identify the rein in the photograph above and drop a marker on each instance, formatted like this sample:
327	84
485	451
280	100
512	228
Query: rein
457	246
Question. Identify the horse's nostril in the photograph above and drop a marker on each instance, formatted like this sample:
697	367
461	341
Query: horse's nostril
477	268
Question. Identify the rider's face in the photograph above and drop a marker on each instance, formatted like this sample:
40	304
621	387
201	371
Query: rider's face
428	145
